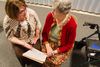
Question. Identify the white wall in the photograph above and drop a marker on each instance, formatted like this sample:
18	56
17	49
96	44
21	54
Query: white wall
82	5
2	11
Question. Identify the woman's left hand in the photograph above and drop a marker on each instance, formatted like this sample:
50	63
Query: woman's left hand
52	53
48	49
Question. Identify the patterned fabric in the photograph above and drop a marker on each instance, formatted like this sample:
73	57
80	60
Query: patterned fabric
57	59
16	29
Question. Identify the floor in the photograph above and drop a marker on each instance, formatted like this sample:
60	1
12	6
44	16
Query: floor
8	59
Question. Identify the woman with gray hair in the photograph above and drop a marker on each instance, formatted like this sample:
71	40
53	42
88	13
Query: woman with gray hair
59	34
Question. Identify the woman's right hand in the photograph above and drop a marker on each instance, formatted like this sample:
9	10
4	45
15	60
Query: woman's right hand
49	50
28	46
20	42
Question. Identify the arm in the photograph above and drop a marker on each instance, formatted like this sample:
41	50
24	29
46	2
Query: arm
38	25
67	46
38	28
46	28
45	34
70	42
20	42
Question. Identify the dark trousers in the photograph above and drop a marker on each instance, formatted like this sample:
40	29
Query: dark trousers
29	63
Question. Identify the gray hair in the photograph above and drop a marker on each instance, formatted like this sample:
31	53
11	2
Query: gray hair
63	6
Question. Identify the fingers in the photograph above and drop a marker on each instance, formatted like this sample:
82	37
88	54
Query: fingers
50	54
28	46
35	40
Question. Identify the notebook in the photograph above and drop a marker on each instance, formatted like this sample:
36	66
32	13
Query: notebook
35	55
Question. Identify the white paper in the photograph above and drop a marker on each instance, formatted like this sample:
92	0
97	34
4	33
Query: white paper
35	55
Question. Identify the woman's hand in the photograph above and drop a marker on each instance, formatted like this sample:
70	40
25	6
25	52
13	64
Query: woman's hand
20	42
37	36
28	46
49	49
52	53
35	40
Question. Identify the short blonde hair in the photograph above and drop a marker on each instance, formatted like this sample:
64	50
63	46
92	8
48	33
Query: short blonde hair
12	7
63	6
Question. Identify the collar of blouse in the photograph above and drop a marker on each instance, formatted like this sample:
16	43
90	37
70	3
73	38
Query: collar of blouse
63	20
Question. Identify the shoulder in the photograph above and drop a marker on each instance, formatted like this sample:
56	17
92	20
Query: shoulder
6	18
49	19
31	13
5	21
9	22
49	15
73	20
